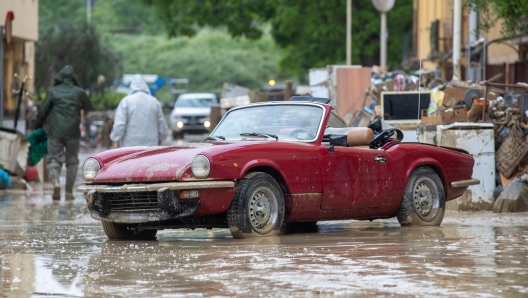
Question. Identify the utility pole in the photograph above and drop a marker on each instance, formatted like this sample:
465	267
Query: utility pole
383	6
88	11
457	28
349	33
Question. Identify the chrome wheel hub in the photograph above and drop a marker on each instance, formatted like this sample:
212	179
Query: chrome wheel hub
262	209
426	199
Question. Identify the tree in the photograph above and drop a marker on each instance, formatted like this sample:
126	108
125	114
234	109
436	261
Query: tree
126	16
513	13
51	11
80	46
311	32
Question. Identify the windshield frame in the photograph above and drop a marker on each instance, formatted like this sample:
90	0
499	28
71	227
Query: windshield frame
194	99
262	104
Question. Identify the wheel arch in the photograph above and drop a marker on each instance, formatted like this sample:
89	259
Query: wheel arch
433	165
274	173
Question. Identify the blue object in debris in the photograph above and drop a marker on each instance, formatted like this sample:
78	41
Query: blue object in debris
5	182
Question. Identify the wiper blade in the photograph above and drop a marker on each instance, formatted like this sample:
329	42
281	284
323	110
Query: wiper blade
259	134
215	138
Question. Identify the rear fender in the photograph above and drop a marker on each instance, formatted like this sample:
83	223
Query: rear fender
427	162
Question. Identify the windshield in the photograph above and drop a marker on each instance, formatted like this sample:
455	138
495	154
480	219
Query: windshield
194	102
271	122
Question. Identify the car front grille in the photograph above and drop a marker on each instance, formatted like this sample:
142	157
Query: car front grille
132	201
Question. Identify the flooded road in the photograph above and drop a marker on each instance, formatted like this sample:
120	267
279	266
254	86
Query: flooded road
55	249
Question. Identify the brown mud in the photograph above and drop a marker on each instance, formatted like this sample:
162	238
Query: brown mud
56	248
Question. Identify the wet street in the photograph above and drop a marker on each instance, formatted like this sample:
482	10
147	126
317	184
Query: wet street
55	249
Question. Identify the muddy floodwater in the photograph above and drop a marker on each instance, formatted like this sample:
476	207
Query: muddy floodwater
55	249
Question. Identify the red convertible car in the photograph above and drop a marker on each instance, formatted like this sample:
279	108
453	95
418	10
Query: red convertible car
271	166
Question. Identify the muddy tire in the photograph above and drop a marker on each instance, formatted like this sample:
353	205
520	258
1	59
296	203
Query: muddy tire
257	209
115	231
423	202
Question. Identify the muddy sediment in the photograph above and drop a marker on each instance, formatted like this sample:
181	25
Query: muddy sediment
56	248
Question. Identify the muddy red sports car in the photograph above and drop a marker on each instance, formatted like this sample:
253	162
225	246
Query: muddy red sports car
268	167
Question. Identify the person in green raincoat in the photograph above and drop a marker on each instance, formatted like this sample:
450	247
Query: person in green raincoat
63	105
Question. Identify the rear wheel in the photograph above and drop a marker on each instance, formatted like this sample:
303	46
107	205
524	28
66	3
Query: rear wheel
423	203
115	231
257	208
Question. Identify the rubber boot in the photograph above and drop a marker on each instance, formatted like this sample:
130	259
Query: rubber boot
55	180
71	174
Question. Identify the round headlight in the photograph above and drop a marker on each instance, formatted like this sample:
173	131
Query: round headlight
200	167
179	124
90	168
207	123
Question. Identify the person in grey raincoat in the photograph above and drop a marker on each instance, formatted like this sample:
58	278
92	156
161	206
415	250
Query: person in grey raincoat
139	120
63	104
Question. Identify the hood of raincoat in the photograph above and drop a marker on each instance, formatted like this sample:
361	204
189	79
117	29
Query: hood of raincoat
138	85
66	75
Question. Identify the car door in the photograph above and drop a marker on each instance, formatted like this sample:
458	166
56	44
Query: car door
353	177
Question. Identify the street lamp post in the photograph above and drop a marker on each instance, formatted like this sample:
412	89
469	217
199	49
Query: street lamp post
88	11
349	33
383	6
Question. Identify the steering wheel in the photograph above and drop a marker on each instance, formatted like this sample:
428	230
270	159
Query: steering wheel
399	134
384	136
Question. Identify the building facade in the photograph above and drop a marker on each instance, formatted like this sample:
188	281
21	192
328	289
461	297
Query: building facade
20	21
482	57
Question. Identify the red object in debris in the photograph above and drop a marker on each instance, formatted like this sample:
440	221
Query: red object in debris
31	174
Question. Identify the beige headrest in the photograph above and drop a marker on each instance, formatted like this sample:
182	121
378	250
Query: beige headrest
360	136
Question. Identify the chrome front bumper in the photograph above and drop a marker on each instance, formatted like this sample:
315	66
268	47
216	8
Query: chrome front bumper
165	205
156	186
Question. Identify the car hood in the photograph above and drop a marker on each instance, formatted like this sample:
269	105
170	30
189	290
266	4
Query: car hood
156	165
191	111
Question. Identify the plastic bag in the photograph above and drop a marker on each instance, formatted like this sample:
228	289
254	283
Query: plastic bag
39	145
5	181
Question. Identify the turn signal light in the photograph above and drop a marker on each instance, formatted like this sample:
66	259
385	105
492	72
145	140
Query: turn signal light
187	194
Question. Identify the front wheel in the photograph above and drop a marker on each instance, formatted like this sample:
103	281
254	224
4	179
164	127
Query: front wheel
423	203
257	208
116	231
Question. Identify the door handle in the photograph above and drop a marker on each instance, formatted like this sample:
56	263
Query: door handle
380	159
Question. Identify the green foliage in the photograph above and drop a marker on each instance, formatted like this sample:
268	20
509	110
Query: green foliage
66	38
311	32
513	13
81	46
240	17
128	16
208	59
51	11
107	101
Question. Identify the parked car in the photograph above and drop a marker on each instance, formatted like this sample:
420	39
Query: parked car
191	113
269	166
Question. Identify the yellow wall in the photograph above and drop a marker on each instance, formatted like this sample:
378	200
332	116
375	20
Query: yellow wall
19	53
500	53
430	10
